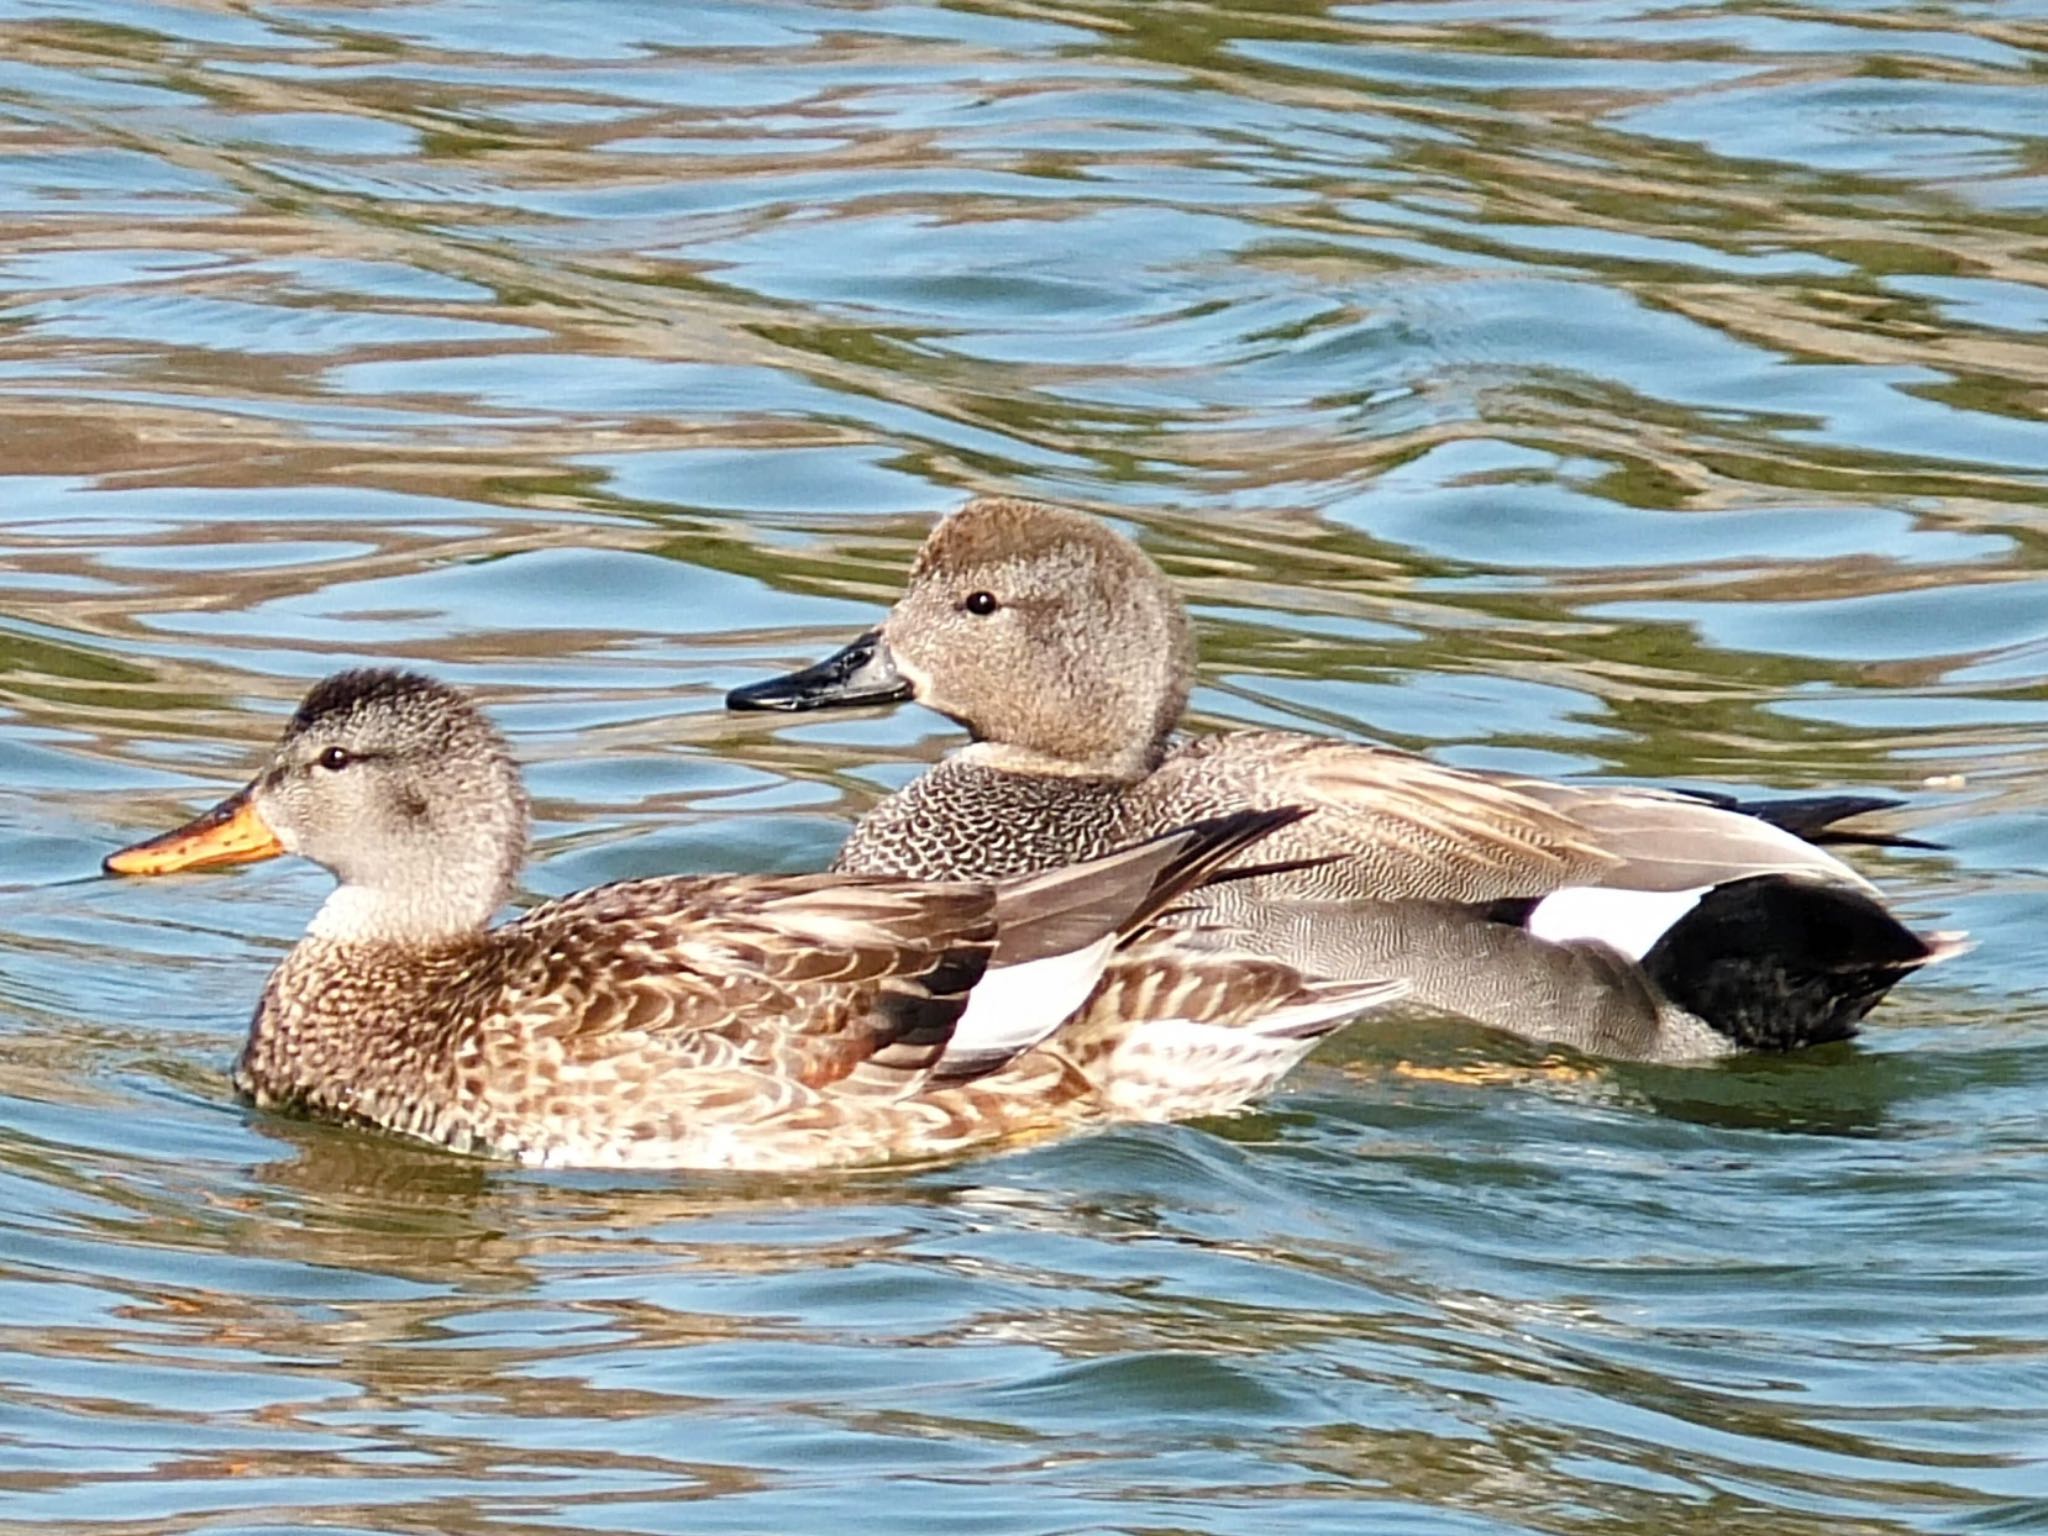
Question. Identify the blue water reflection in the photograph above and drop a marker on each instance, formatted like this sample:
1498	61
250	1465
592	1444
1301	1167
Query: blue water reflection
1613	389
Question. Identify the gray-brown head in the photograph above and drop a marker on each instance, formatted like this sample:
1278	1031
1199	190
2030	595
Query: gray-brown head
394	782
1051	637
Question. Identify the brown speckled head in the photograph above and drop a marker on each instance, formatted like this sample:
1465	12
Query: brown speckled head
1053	638
401	787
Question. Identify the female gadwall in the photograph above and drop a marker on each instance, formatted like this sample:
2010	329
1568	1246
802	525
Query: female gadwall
761	1022
1627	922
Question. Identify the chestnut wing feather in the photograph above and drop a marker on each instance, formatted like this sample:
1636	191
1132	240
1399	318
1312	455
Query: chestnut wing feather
812	978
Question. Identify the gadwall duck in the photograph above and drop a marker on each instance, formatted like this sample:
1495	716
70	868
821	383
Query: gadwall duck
1626	922
756	1022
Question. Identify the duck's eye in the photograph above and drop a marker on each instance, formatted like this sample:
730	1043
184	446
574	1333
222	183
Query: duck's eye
981	604
334	759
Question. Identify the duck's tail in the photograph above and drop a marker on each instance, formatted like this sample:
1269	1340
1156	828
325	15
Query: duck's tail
1776	963
1177	1030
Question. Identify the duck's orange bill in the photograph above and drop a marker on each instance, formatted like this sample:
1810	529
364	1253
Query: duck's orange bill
231	833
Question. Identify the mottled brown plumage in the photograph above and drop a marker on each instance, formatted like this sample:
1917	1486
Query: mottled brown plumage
764	1022
1558	911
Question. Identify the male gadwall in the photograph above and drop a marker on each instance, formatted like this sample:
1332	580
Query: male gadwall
759	1022
1634	923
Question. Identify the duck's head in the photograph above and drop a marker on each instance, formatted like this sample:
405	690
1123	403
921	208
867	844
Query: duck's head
1052	638
394	782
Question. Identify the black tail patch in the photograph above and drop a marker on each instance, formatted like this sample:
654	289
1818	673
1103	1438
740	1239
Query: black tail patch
1775	963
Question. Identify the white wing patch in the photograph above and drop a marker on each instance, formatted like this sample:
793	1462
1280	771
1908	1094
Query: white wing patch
1013	1007
1630	921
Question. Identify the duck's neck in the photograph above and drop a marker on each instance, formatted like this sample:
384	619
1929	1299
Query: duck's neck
365	914
1009	757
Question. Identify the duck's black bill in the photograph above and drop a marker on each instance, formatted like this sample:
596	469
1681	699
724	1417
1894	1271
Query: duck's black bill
860	673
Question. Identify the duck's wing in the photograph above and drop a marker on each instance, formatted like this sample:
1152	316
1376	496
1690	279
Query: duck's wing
1666	840
819	981
1397	827
1057	931
842	981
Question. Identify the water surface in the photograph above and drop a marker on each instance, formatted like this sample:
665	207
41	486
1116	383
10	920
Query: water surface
1619	389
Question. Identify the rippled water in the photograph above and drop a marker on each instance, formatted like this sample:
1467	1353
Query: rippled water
1608	388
